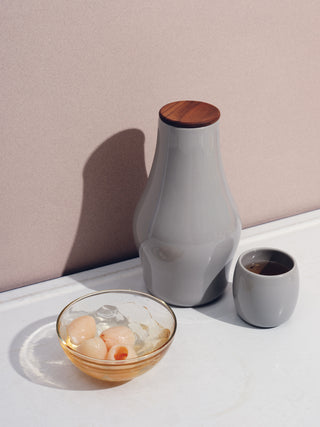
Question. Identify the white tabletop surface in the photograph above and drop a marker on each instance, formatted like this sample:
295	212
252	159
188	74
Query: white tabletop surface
219	371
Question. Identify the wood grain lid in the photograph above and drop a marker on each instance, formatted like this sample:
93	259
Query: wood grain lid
189	114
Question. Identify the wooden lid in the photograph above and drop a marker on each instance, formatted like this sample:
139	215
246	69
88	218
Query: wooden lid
189	114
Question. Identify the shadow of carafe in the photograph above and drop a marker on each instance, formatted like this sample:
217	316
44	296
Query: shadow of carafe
223	309
113	180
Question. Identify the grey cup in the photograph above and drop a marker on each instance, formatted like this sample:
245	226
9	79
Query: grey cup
265	298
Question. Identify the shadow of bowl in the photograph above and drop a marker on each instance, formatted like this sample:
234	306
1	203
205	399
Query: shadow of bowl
36	355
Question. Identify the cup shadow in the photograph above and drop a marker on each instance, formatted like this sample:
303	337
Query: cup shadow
223	309
114	177
36	355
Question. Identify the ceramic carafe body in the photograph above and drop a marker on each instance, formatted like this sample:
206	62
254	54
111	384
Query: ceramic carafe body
186	225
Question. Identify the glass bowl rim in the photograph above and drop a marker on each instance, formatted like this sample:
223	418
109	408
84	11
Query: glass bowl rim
109	363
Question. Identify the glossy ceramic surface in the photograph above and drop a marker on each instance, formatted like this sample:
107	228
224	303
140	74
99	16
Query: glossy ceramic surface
186	225
152	320
265	300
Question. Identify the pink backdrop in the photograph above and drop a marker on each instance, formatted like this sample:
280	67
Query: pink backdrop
81	86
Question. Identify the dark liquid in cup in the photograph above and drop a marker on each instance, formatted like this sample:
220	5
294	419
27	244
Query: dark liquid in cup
267	268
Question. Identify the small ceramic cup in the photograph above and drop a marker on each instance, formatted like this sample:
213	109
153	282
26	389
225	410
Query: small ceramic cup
265	287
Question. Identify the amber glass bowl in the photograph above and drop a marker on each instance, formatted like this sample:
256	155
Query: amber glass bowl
151	319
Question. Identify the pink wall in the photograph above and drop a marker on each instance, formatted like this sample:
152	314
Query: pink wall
81	86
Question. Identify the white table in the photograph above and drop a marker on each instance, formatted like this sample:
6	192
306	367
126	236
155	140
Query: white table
219	371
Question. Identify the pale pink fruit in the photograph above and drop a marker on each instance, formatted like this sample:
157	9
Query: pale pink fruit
93	347
118	335
82	328
121	352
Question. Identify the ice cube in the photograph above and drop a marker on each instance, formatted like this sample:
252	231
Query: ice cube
108	316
